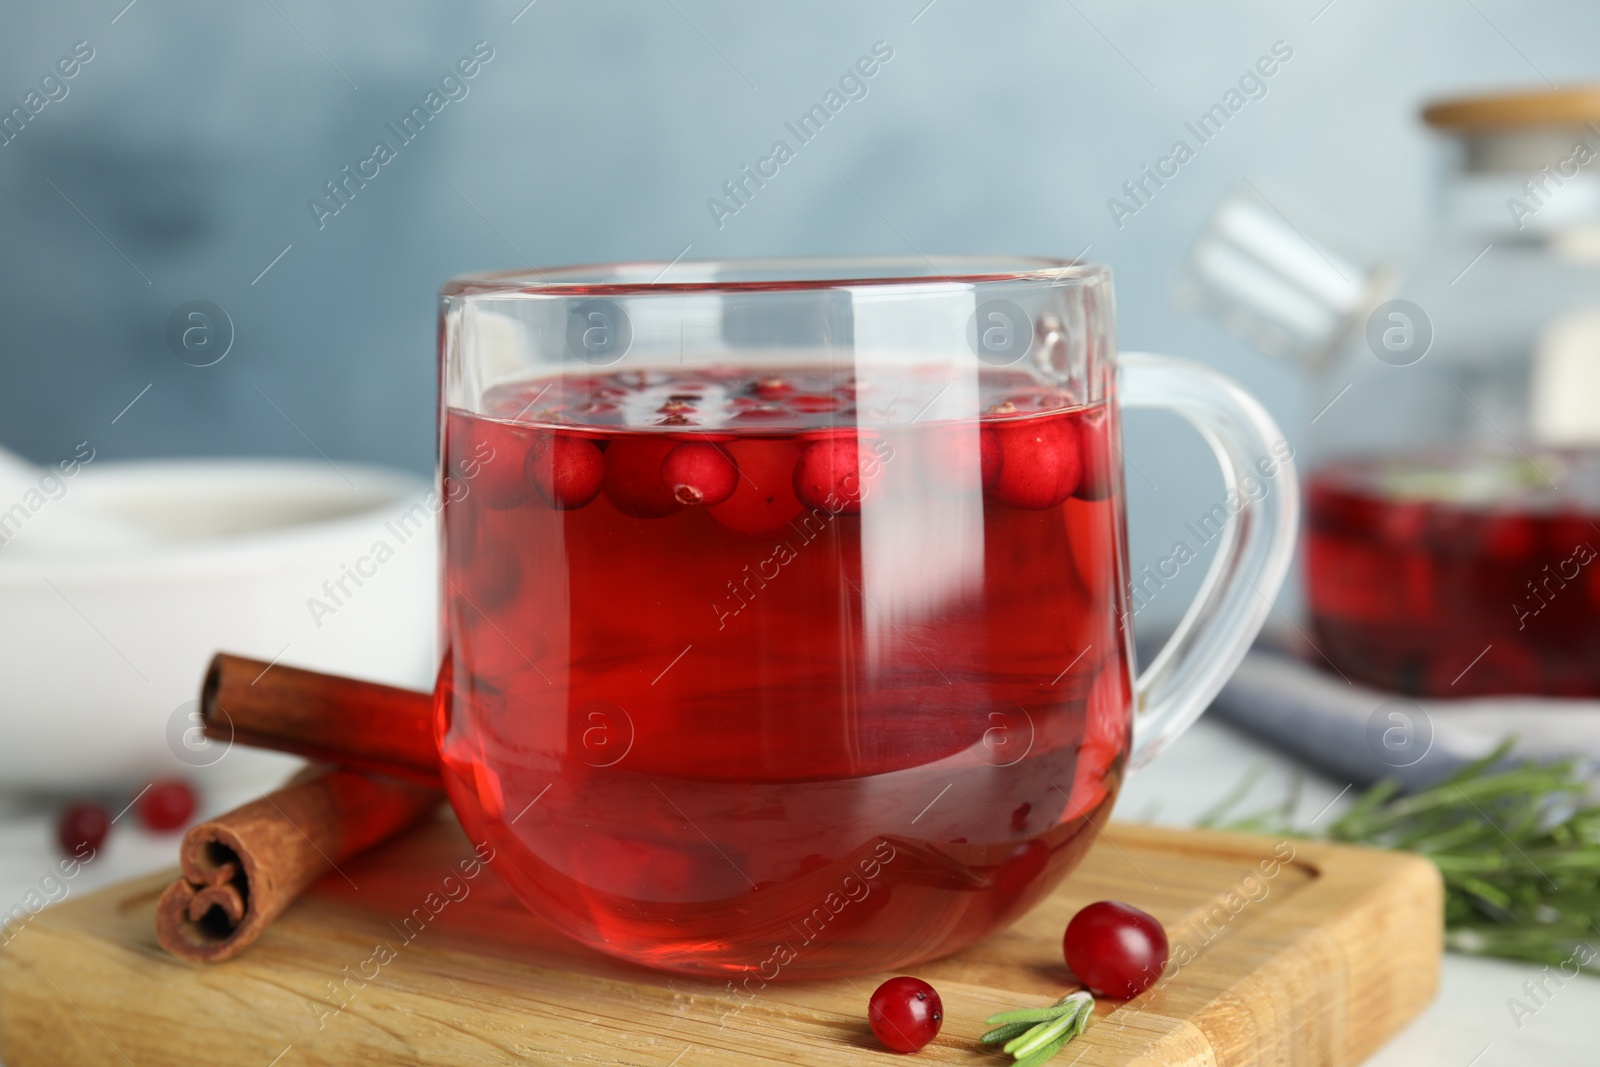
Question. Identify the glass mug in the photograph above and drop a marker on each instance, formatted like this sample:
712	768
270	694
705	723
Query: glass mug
785	603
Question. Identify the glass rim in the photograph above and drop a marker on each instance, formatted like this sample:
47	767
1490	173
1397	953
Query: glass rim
797	274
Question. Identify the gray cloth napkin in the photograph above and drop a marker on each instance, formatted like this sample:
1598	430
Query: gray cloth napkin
1361	735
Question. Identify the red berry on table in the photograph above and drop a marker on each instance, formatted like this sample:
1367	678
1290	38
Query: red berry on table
763	498
1115	949
1040	463
82	827
833	474
167	806
633	477
566	470
698	472
905	1013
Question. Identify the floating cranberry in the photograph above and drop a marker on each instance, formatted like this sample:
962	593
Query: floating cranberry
1098	458
633	477
565	469
763	498
82	827
905	1013
1115	949
834	474
167	806
699	473
1040	465
772	388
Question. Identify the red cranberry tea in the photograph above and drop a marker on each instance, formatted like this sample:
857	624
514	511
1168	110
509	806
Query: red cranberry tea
747	660
1459	576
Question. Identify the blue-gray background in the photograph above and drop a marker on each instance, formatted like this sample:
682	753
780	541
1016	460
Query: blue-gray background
181	160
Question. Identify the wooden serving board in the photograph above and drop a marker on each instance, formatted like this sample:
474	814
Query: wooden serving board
1316	963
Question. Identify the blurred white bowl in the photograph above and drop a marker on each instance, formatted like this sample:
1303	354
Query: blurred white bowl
102	652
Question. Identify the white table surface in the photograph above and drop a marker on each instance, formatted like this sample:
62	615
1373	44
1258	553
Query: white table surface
1469	1024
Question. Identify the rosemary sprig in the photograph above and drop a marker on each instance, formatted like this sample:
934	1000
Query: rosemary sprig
1519	849
1033	1035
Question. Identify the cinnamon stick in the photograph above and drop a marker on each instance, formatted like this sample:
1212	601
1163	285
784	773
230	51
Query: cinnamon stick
242	869
355	724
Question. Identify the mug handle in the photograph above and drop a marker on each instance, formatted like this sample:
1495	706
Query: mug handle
1253	551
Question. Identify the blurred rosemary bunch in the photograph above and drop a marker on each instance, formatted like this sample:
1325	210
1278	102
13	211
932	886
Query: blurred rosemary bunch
1518	846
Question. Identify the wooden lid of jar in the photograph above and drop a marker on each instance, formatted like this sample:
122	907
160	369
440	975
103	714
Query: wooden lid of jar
1515	110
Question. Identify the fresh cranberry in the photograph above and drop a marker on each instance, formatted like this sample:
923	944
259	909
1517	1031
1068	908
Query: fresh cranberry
1040	465
763	499
905	1013
488	456
699	473
82	826
772	388
566	470
1097	457
835	470
633	477
1115	949
167	806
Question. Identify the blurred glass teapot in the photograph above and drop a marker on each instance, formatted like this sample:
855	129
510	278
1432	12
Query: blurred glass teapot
1454	501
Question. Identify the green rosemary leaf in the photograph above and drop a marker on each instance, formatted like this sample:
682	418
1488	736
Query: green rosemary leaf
1043	1055
1006	1033
1045	1034
1010	1047
1079	1024
1027	1015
